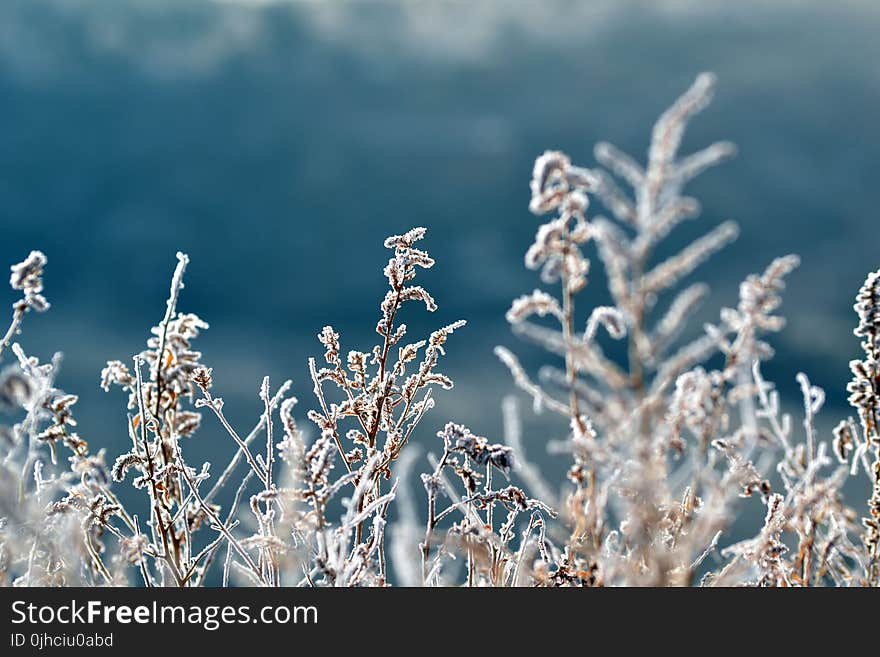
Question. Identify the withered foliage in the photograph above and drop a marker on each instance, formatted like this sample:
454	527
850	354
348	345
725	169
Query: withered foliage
668	441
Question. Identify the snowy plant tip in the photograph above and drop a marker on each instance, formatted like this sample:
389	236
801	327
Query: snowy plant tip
27	276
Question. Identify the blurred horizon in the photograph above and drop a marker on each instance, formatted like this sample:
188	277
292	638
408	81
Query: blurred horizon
278	144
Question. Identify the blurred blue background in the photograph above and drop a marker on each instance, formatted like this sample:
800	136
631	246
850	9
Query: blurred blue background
279	143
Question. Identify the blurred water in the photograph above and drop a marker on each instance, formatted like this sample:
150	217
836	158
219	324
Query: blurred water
278	144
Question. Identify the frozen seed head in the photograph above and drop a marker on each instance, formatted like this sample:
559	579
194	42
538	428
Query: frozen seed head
330	339
537	303
555	182
458	438
759	295
556	253
406	240
867	307
122	465
116	373
27	276
203	378
548	184
402	267
610	318
843	443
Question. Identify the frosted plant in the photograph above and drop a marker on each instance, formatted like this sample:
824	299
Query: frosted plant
864	392
625	403
384	400
668	444
27	276
164	409
163	414
662	447
55	501
625	246
488	549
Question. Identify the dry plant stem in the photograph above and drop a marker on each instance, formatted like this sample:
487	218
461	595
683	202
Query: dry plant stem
274	575
233	509
489	519
635	301
874	556
170	308
158	415
242	445
636	335
403	442
223	479
383	360
773	418
468	542
371	436
17	316
96	558
319	393
142	565
158	507
873	565
206	551
221	527
432	515
416	420
570	367
514	578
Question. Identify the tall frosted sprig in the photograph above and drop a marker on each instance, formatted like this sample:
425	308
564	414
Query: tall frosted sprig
864	395
385	392
27	277
662	447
